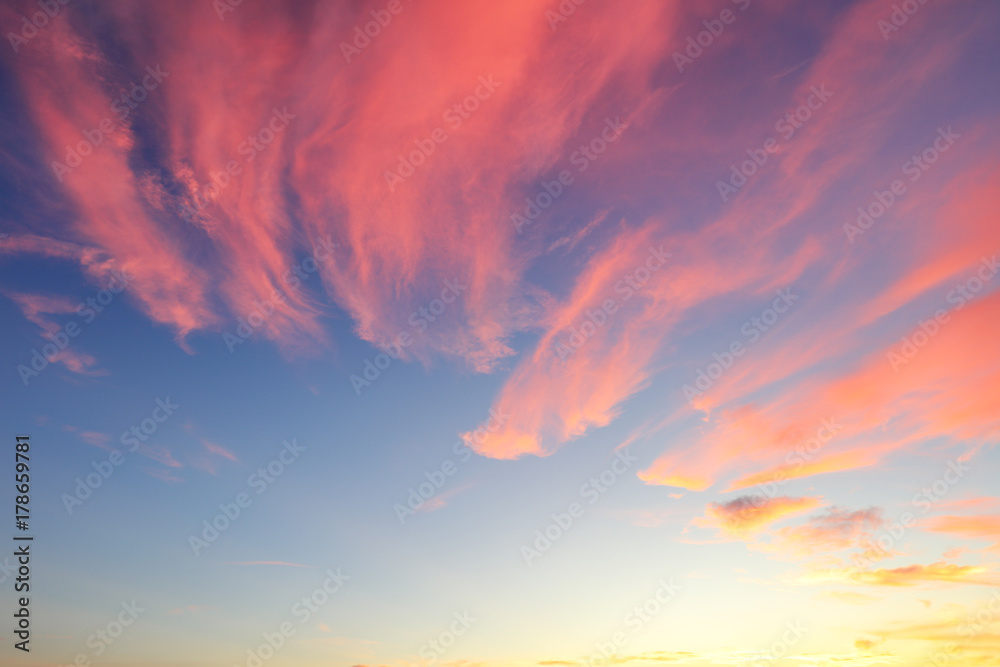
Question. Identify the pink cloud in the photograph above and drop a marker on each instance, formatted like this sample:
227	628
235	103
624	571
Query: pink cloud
746	516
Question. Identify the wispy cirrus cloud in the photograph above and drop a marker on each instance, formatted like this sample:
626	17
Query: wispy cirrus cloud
908	575
975	526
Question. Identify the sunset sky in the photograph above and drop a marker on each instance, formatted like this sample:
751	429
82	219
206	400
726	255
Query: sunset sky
515	333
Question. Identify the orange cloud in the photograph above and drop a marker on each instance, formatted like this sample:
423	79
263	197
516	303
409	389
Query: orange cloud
747	436
906	576
945	390
844	460
746	515
981	526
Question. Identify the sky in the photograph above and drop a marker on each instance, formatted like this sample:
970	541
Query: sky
537	332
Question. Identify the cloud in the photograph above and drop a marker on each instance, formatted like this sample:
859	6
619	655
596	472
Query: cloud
322	176
36	308
208	458
908	575
864	644
746	516
977	527
944	391
95	438
217	449
835	530
548	396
